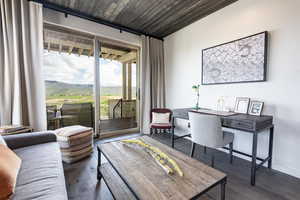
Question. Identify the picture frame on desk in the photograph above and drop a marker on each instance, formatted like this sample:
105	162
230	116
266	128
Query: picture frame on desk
256	108
241	105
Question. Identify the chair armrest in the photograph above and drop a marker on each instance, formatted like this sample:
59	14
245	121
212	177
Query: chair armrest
28	139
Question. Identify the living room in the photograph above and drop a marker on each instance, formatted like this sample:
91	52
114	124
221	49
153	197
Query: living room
205	107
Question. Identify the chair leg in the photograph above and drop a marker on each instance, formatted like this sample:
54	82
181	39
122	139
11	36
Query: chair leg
213	159
192	149
230	152
205	149
151	131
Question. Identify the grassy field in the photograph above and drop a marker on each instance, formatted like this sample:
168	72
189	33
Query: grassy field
61	99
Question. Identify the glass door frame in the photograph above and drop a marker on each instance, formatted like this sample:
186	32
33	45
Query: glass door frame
97	86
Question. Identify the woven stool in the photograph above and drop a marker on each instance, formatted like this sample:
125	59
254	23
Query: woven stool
76	142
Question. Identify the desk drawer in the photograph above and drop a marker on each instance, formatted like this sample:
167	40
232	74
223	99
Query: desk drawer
181	115
239	125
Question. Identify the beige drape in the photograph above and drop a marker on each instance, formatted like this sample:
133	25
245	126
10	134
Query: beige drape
145	95
152	79
157	77
22	96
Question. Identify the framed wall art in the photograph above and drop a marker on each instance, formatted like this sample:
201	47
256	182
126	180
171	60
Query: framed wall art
239	61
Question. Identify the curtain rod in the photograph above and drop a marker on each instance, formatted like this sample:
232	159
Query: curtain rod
69	11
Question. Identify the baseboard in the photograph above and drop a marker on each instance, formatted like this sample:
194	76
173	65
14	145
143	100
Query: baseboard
287	170
281	168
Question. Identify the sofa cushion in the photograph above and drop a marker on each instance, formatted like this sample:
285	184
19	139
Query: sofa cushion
28	139
9	167
41	175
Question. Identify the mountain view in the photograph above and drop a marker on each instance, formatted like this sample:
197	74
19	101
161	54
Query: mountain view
69	79
56	88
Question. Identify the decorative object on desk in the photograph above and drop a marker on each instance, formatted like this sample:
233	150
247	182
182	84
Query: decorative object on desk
238	61
196	88
241	105
220	104
168	164
256	108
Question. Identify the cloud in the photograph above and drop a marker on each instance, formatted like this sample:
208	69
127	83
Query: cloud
80	69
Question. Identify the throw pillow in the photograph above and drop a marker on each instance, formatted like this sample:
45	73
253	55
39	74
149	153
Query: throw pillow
10	165
160	118
2	141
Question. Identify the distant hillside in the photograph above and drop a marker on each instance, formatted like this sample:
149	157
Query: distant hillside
55	88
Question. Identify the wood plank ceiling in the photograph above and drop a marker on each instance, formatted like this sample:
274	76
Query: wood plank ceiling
158	18
68	41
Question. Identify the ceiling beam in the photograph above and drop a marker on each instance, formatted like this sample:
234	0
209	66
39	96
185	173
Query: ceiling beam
128	57
105	55
76	13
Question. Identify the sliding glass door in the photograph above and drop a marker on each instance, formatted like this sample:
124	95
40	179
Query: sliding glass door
69	77
90	82
118	78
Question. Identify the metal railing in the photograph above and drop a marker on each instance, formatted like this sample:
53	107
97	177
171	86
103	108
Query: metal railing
118	104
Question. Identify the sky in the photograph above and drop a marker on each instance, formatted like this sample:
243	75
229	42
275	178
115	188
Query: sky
80	69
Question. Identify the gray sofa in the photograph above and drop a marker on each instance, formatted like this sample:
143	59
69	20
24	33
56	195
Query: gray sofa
41	175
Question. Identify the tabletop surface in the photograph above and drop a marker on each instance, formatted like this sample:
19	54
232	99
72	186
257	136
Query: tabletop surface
183	112
149	181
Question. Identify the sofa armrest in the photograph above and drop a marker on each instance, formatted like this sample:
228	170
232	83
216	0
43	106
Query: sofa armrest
28	139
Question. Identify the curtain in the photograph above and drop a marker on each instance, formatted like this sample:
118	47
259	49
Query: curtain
153	79
22	95
145	94
157	76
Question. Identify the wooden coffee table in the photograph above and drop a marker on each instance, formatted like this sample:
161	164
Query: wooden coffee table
131	173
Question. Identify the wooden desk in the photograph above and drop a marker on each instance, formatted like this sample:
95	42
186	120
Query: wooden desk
248	123
147	180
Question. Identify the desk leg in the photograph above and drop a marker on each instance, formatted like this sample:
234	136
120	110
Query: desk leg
254	153
270	147
172	132
99	175
223	189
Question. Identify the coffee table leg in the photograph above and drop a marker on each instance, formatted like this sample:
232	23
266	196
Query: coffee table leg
99	175
223	189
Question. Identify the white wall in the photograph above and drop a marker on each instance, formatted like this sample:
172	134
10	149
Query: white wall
280	93
87	26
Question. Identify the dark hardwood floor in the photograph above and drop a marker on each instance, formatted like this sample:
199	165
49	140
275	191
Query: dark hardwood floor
270	184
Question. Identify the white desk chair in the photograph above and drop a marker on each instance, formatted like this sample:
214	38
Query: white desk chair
206	130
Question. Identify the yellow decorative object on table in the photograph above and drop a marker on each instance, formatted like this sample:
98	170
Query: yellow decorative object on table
161	158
